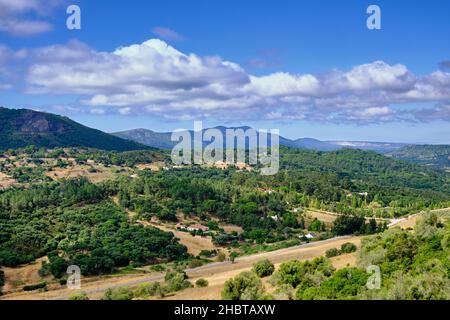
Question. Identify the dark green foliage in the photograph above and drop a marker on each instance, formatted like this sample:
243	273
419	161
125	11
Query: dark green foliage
328	175
263	268
33	287
76	219
348	248
429	155
348	224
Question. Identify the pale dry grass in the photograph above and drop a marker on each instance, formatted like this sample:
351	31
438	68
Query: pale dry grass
6	181
193	244
22	275
78	171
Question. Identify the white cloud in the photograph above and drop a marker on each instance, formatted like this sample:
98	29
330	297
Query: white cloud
154	77
26	17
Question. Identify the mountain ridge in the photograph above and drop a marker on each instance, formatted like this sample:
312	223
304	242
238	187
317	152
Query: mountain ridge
24	127
163	140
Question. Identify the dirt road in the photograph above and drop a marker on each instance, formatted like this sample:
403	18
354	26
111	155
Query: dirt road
216	273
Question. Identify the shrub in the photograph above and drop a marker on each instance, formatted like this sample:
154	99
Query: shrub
158	268
79	297
151	289
176	281
37	286
333	252
221	256
264	268
118	294
201	283
208	253
295	272
348	248
245	286
195	263
316	226
172	274
233	256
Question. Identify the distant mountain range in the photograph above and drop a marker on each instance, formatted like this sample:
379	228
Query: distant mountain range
22	127
162	140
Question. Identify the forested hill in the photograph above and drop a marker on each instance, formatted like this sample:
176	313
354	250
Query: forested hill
382	177
437	156
22	127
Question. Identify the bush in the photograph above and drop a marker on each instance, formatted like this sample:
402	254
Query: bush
333	252
118	294
151	289
172	274
296	272
208	253
176	281
33	287
348	248
221	256
195	263
245	286
79	297
201	283
264	268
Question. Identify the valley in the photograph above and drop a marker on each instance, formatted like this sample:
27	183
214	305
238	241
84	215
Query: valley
137	225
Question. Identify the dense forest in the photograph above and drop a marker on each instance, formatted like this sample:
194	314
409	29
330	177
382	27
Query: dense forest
437	156
74	222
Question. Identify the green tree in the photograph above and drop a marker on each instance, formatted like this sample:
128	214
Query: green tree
245	286
263	268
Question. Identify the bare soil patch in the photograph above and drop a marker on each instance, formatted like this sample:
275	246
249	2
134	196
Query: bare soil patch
6	181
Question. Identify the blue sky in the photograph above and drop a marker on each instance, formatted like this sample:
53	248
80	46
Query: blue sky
309	68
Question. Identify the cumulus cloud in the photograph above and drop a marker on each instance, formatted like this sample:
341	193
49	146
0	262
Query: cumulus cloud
155	78
26	17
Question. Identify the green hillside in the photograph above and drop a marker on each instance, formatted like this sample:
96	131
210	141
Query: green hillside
21	127
430	155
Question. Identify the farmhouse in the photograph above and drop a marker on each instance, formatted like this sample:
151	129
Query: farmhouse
193	227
